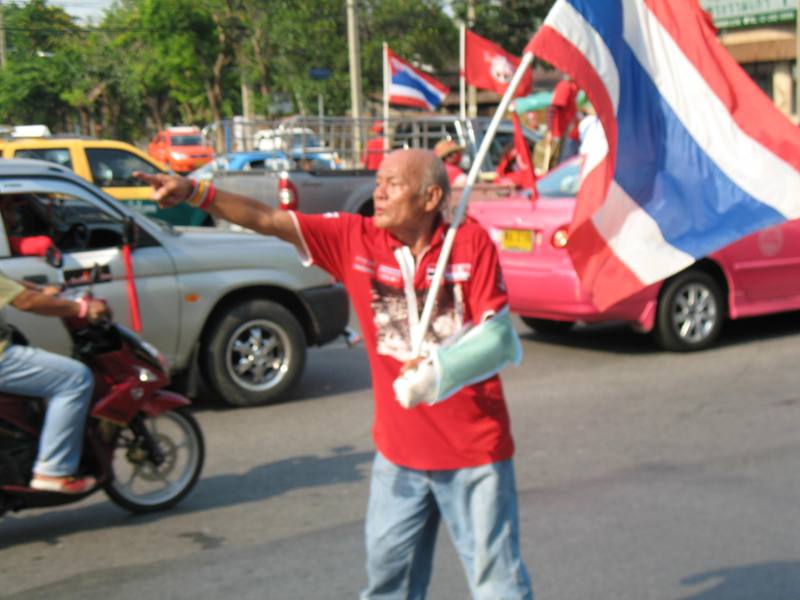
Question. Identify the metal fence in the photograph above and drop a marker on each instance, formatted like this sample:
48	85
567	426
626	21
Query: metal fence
340	141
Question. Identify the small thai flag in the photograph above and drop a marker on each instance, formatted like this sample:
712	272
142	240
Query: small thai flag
412	87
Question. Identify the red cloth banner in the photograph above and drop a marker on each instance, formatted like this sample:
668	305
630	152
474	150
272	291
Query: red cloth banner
488	67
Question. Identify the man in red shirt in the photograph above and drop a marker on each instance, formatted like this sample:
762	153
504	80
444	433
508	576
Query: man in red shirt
374	152
561	119
447	460
450	153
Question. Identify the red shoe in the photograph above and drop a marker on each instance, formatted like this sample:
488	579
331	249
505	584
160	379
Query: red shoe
63	485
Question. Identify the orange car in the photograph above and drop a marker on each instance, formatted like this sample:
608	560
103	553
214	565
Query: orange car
181	148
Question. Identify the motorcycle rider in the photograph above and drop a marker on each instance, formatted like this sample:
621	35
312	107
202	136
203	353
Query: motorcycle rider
66	384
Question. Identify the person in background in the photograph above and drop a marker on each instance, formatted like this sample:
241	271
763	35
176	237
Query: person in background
592	135
561	120
441	425
450	152
374	152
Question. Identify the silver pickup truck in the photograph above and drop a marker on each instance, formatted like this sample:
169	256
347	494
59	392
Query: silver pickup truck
347	187
238	309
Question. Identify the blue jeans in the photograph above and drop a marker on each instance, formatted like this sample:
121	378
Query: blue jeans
67	385
479	508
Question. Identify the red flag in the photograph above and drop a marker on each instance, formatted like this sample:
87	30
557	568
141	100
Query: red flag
488	67
515	166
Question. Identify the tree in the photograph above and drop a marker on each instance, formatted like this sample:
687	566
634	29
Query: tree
509	23
37	70
417	31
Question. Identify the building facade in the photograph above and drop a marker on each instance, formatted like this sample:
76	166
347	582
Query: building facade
762	36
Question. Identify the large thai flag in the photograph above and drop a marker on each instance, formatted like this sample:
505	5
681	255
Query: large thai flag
697	156
412	87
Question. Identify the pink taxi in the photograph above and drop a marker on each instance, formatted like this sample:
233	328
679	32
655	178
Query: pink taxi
757	275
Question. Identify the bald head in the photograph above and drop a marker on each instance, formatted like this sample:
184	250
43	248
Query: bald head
424	167
410	188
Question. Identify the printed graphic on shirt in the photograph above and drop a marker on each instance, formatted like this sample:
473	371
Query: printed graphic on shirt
393	322
389	275
454	272
363	264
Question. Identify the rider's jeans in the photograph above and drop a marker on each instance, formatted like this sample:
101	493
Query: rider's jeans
67	384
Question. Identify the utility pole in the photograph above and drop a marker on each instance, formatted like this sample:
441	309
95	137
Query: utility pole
354	54
2	36
797	64
472	92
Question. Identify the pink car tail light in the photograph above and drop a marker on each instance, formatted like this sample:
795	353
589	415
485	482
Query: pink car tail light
287	193
560	237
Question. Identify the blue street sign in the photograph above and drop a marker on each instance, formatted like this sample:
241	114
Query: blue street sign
319	73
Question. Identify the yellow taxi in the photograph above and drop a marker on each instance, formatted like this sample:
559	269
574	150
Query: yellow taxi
108	164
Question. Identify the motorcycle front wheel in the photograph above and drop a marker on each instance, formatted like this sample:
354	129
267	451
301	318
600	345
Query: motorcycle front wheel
156	462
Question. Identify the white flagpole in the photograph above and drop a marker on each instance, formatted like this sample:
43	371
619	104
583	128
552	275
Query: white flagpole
462	65
387	84
474	171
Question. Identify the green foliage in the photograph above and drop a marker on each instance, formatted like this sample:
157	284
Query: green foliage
37	70
508	23
419	32
151	63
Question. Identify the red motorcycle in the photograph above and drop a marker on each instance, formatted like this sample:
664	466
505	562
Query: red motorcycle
141	443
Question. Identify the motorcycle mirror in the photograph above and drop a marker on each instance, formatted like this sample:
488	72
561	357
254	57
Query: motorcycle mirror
54	257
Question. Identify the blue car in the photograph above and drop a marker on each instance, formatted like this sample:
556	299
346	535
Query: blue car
314	161
268	160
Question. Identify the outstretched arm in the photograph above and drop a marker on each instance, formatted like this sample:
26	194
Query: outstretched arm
170	190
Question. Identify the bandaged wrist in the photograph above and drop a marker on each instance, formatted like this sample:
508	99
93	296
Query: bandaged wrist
418	385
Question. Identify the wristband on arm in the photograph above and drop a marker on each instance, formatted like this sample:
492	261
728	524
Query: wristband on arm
84	308
203	195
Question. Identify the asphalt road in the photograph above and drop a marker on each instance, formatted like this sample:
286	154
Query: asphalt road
642	475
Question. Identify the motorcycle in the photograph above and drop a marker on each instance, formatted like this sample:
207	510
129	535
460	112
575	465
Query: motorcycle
142	445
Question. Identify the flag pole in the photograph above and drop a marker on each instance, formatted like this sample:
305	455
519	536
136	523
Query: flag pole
474	171
387	83
462	66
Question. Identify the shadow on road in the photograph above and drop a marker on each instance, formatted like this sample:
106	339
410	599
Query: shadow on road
765	581
258	484
620	339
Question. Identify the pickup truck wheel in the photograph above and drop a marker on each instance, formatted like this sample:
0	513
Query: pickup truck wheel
255	353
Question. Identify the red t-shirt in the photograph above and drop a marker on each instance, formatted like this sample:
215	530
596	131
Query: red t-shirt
455	174
388	294
563	106
32	245
373	154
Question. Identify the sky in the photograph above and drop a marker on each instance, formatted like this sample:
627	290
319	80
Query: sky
83	9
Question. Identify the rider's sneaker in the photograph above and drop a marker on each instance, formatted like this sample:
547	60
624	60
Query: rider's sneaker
63	485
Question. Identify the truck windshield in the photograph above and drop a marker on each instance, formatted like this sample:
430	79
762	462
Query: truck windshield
300	140
187	140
